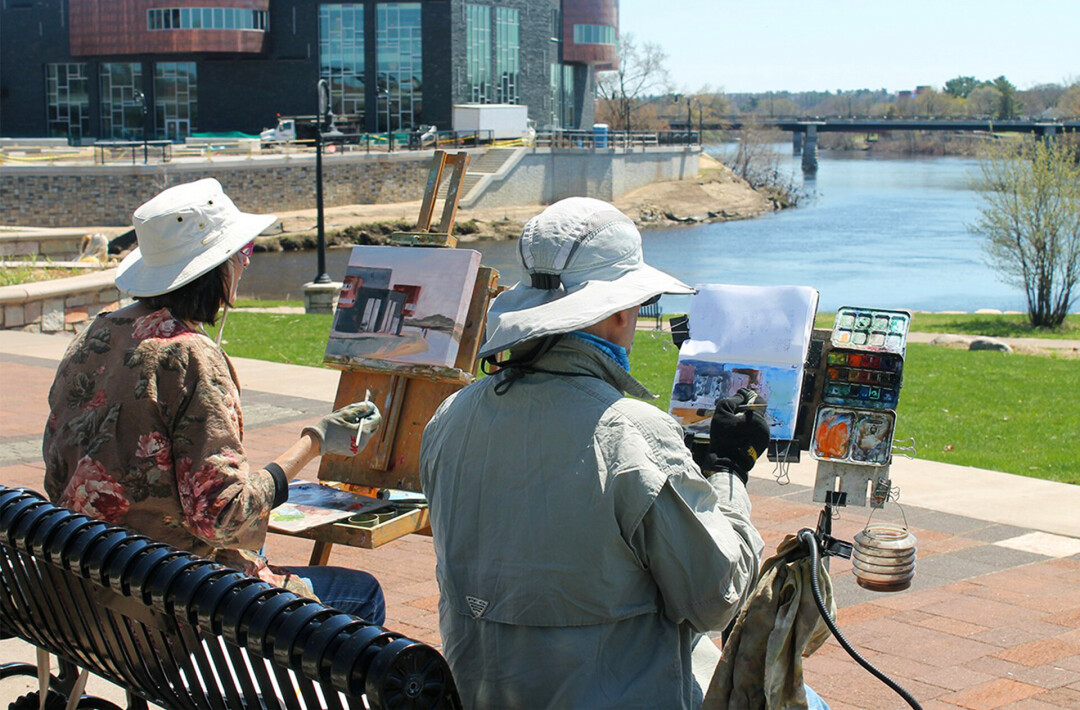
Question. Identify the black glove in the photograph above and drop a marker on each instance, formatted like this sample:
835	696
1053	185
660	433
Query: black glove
737	436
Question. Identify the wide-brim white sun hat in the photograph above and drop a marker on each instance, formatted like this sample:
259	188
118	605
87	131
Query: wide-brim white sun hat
184	232
583	258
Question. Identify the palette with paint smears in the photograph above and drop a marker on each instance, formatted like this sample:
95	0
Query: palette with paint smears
872	329
853	436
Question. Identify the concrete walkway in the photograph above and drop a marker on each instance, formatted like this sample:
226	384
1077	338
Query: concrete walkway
991	621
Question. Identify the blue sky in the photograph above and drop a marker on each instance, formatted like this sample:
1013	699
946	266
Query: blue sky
756	45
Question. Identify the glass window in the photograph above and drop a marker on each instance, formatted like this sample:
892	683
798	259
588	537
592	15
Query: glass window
507	55
594	34
478	53
562	95
175	99
341	57
67	91
121	100
217	18
398	69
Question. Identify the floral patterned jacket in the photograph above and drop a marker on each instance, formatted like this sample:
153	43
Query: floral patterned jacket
145	431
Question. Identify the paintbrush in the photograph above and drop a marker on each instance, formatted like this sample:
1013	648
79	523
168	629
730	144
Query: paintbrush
360	428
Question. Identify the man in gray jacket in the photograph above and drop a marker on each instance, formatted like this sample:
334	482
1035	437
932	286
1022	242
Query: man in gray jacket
582	554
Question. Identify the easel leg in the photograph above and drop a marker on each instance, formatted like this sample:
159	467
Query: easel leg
320	554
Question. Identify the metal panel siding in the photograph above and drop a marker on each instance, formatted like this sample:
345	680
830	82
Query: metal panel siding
590	12
120	28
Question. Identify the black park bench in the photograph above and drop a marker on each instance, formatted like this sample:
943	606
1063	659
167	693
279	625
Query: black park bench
652	310
181	631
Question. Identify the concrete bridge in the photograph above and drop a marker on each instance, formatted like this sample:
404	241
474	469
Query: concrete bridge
805	130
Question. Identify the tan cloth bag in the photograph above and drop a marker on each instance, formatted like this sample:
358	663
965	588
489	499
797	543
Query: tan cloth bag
761	665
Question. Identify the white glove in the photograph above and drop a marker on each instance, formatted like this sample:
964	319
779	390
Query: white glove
346	431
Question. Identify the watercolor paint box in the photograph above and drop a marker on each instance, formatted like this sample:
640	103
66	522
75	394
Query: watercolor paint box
871	329
853	436
860	379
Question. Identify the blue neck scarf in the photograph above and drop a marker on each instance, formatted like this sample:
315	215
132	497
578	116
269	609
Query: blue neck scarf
615	352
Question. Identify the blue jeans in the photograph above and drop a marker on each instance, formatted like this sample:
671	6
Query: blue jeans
349	590
813	700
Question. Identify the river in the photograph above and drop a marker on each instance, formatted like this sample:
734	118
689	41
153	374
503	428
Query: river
880	232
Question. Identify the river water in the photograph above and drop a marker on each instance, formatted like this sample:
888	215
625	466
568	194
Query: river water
878	232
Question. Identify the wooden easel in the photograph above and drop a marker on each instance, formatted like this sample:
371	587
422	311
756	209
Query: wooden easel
407	396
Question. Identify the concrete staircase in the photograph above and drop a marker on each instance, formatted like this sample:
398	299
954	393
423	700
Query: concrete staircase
490	163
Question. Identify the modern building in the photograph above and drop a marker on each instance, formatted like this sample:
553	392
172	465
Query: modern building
134	69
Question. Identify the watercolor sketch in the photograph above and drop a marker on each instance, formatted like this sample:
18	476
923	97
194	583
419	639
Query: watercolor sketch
403	305
313	504
700	382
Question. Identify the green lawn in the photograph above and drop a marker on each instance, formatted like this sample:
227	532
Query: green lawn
1013	413
992	324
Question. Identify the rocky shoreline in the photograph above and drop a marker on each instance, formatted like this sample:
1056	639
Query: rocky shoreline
716	195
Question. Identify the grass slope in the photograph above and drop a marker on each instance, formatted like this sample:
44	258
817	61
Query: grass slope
1013	413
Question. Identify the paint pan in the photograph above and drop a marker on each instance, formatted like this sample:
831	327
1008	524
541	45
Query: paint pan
856	436
871	329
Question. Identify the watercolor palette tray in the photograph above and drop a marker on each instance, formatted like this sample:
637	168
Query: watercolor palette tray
860	379
871	329
853	436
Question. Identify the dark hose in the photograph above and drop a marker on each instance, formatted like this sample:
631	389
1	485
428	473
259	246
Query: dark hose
806	537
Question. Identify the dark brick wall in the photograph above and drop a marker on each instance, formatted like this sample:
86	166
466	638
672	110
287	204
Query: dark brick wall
538	52
243	91
29	38
108	196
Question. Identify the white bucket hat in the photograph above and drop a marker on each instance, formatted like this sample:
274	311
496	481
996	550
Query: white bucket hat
184	232
583	257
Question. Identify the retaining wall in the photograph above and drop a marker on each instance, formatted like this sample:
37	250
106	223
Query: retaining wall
543	176
61	196
59	305
57	196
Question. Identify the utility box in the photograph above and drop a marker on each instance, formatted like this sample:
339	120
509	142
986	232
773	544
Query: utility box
492	121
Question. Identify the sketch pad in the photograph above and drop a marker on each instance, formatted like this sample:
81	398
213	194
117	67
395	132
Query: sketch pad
745	336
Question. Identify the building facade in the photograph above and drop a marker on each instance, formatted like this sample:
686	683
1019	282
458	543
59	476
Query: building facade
132	69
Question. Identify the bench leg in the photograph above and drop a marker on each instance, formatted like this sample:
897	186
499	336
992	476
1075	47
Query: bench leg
76	691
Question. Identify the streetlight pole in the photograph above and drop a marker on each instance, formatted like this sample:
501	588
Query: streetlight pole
324	107
141	98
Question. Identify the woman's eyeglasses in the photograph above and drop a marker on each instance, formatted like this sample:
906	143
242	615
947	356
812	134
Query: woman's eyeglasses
248	249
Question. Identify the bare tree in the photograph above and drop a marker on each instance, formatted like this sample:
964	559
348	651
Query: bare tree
1030	218
641	73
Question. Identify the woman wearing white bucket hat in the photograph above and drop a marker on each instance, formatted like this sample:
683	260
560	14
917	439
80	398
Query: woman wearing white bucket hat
581	551
145	426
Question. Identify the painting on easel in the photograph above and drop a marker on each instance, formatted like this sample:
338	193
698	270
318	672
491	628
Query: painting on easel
402	305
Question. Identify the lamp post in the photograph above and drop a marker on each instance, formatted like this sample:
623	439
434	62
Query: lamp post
324	107
385	92
320	294
141	98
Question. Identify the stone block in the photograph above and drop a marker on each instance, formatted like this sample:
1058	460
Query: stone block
321	298
52	315
25	249
74	315
59	248
108	295
31	311
80	299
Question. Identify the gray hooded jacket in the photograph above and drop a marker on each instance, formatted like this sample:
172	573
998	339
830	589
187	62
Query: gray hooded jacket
580	551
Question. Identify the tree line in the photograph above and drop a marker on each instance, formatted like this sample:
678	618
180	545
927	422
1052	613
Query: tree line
640	95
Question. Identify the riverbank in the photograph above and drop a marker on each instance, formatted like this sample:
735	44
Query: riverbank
715	195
